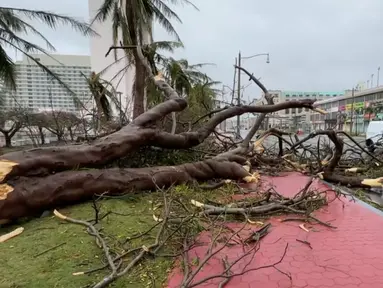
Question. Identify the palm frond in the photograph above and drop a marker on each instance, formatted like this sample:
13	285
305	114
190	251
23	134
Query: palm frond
168	46
52	20
7	70
183	2
200	65
162	15
104	11
12	23
106	107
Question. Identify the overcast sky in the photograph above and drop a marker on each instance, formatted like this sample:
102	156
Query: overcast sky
316	45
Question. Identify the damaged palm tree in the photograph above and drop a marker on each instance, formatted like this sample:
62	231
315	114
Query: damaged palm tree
102	97
35	180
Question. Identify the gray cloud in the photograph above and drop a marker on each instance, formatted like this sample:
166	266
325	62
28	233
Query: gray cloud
314	45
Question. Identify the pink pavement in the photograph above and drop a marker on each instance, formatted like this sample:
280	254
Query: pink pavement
350	256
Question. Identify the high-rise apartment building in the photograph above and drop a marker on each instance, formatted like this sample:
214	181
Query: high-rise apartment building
39	91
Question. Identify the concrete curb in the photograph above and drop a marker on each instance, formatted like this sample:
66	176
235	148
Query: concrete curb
347	192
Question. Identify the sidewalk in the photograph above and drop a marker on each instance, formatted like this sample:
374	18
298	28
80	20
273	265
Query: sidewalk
350	256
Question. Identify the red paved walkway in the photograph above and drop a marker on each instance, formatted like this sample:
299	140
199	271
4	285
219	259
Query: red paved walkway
349	257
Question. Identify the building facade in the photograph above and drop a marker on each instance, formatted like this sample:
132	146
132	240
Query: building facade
350	112
294	118
36	90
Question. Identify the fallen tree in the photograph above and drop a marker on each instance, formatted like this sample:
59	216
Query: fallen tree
42	178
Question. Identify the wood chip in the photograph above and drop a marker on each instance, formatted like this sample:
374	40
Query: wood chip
302	226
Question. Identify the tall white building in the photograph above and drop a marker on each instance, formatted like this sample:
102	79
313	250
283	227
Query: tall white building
38	91
120	73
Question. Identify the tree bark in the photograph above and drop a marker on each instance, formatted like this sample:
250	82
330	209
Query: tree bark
46	160
8	140
26	196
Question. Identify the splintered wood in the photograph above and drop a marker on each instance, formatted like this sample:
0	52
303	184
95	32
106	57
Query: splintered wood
5	189
6	167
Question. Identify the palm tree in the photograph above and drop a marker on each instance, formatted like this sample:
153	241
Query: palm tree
182	76
156	60
99	94
132	22
14	24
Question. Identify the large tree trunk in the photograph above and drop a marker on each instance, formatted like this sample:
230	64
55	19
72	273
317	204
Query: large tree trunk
25	196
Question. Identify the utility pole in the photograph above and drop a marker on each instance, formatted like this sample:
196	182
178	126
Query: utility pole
352	110
377	80
239	96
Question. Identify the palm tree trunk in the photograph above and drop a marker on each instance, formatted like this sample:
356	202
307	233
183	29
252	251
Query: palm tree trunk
139	87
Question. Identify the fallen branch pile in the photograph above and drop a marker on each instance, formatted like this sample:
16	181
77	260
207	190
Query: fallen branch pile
177	221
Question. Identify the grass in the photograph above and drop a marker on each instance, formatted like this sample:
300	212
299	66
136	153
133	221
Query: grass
21	266
362	194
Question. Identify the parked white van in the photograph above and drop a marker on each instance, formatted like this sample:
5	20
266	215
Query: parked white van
374	135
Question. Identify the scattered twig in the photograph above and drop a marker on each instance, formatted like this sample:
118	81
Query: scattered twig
49	249
305	242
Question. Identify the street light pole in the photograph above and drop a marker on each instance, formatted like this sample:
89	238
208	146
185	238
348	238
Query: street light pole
377	80
239	84
239	97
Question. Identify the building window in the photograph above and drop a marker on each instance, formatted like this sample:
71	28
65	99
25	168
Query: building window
287	111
